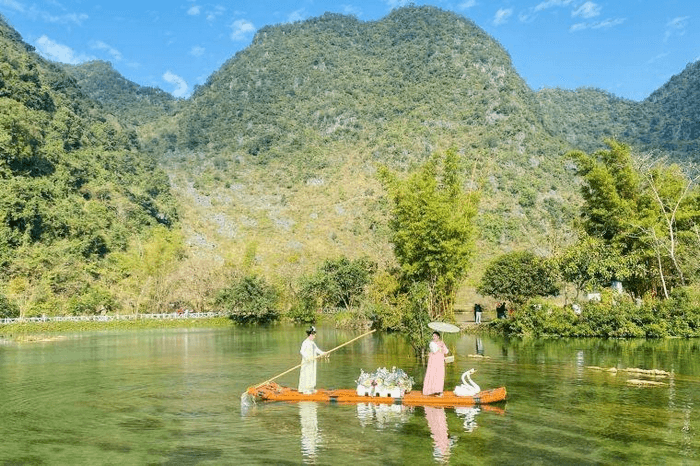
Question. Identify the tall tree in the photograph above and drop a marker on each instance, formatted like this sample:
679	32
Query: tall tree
432	224
644	209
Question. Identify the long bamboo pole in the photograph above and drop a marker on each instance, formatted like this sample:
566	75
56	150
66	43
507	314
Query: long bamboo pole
317	357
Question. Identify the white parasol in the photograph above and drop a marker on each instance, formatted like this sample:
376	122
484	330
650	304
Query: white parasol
443	327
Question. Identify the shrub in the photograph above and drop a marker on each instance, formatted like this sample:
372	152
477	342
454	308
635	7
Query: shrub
249	300
8	308
302	314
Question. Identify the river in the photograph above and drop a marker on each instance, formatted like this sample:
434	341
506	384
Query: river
173	397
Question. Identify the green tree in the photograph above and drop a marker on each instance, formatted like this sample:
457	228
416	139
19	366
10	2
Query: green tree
591	264
7	307
647	211
337	283
432	225
249	299
519	276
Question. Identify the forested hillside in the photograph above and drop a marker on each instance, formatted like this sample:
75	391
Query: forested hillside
76	191
287	135
273	162
674	112
586	117
135	105
666	123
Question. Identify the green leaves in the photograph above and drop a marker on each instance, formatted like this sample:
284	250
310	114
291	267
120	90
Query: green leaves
645	215
519	276
249	299
337	283
432	227
73	189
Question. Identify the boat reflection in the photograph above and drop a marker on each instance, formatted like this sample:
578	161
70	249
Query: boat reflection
311	438
383	416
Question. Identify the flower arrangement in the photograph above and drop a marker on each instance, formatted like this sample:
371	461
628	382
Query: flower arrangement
383	382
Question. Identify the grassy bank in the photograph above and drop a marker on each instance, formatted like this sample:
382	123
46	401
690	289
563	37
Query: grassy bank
21	329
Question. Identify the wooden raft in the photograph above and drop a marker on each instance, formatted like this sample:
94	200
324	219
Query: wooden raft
273	392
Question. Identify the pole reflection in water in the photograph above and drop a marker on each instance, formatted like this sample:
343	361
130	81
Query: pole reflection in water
311	438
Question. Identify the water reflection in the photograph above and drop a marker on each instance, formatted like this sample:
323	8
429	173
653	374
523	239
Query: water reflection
437	421
383	416
311	437
468	414
479	346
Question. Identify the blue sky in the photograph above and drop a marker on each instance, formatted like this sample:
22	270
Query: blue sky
627	47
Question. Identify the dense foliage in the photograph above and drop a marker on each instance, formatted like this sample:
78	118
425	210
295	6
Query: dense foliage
75	189
432	224
616	316
646	216
338	283
274	162
665	121
134	105
519	276
249	299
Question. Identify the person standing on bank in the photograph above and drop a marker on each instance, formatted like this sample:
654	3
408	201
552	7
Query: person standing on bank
434	381
477	313
309	352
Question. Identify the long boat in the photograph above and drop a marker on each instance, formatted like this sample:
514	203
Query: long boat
273	392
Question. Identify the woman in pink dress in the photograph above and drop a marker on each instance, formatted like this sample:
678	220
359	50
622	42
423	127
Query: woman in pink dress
434	381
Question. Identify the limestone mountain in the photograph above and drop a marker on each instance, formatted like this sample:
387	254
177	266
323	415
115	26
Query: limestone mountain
667	122
674	113
287	134
273	160
135	105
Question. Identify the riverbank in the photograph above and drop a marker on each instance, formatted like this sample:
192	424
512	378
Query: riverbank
23	329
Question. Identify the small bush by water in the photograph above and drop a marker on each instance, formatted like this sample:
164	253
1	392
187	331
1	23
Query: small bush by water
610	318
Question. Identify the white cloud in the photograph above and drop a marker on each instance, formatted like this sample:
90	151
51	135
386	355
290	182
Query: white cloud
12	5
587	10
551	4
676	27
197	51
99	45
181	87
608	23
218	11
396	3
75	18
241	28
467	4
352	10
59	52
526	17
36	13
297	15
502	16
194	10
658	57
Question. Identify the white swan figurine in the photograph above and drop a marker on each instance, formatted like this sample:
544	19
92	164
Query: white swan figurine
467	389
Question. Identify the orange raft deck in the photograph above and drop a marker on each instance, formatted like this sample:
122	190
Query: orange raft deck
273	392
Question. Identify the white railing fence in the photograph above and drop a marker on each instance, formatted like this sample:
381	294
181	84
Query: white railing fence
108	318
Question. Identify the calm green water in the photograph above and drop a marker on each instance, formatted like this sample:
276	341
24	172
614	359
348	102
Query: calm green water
173	397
